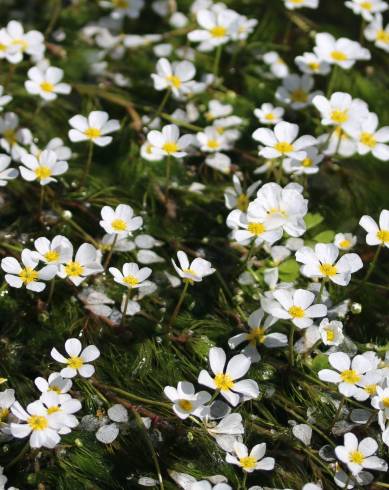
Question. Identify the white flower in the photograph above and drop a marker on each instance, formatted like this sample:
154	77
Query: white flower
337	143
257	336
369	139
55	252
78	360
61	408
56	383
345	241
25	275
252	461
216	110
376	32
367	8
212	140
217	28
17	42
4	99
331	332
282	141
86	262
308	166
296	91
94	128
124	8
322	263
194	271
132	277
376	235
342	52
168	141
227	431
185	401
296	306
7	399
242	28
42	429
224	378
312	65
348	374
218	161
176	76
381	401
269	114
120	221
147	151
277	65
13	138
235	197
6	173
255	224
56	144
108	433
44	169
46	82
360	455
341	110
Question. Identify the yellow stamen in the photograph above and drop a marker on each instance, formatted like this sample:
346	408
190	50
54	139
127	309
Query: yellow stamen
299	95
307	162
92	133
174	80
223	382
256	228
356	457
367	5
328	270
10	136
74	269
4	412
382	36
218	31
385	402
42	172
368	139
383	235
47	86
213	144
296	312
56	389
28	275
53	409
314	66
131	281
186	405
20	42
256	335
242	202
37	422
120	4
330	334
119	225
350	376
170	147
339	116
75	362
270	116
248	462
51	256
283	147
338	56
345	243
371	389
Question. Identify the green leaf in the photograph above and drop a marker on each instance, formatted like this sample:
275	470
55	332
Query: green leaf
326	236
312	220
289	270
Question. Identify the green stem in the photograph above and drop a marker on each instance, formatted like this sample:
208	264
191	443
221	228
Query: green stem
321	291
339	410
372	265
129	395
244	481
160	108
168	174
17	458
178	306
125	307
88	163
291	345
41	200
217	60
109	256
51	291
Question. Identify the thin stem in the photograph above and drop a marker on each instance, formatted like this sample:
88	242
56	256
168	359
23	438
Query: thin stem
244	481
339	410
41	200
178	306
88	163
129	395
217	60
18	457
51	291
109	256
321	291
168	173
125	306
291	345
160	108
372	264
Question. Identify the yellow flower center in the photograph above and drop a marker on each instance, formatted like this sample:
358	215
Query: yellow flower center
350	376
131	281
382	36
368	139
51	256
314	66
367	5
37	422
356	457
56	389
47	86
242	202
328	269
339	116
174	80
42	172
270	116
74	269
120	4
119	224
223	382
383	235
371	389
296	312
283	147
256	335
10	136
4	412
256	228
344	243
53	409
75	362
170	147
330	334
307	162
22	43
248	462
213	144
299	95
186	405
3	47
28	275
385	402
218	31
338	56
92	133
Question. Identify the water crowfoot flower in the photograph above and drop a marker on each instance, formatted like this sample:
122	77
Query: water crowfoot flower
341	52
168	141
132	277
78	360
94	128
252	461
44	169
186	402
376	235
86	262
46	82
6	173
176	77
224	379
